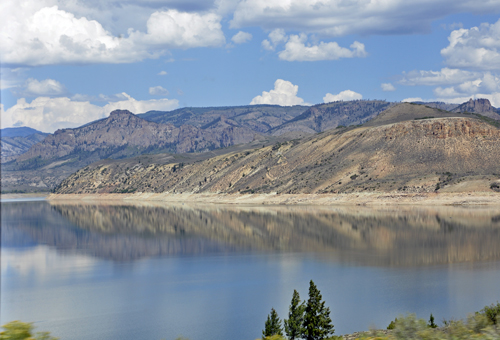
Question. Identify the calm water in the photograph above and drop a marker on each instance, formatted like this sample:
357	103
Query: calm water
110	271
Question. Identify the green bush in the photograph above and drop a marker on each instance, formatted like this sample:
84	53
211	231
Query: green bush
18	330
492	313
392	325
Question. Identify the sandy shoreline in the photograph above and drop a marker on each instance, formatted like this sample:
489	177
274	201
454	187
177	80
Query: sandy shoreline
479	198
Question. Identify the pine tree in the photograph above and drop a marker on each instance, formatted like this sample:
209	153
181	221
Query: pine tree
293	326
431	323
317	322
273	325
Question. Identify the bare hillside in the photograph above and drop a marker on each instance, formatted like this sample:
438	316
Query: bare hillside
421	155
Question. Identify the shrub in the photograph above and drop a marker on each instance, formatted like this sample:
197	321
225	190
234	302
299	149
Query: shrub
392	325
18	330
409	327
492	313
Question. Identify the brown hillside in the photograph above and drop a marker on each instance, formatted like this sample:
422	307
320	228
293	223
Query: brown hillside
412	156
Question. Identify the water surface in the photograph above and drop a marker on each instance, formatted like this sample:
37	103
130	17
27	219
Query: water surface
150	271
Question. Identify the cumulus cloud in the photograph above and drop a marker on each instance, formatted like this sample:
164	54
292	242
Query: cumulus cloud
487	84
158	91
241	37
474	61
344	95
297	50
48	114
284	94
276	37
387	87
30	35
162	73
337	18
474	48
174	29
52	36
47	87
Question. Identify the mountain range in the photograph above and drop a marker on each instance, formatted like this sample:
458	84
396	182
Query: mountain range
193	134
16	141
407	148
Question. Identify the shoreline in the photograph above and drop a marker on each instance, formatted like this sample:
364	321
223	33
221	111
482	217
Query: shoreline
461	199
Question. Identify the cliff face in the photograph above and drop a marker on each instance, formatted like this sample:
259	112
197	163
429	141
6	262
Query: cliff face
476	106
413	156
482	106
124	129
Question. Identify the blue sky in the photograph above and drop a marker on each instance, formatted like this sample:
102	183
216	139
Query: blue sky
65	63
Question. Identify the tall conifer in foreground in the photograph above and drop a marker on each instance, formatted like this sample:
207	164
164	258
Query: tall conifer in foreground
273	325
293	326
317	322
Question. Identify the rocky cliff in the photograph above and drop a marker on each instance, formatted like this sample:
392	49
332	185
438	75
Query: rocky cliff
482	106
123	130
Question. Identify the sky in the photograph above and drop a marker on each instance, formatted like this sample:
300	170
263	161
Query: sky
68	62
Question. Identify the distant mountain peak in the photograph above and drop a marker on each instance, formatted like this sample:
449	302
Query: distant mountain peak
479	105
121	113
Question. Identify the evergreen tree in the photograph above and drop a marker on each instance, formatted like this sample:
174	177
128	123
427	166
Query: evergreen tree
317	322
273	325
293	326
431	323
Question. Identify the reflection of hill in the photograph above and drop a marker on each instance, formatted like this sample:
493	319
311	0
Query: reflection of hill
371	236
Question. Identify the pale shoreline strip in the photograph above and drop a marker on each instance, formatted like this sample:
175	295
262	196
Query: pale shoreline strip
478	198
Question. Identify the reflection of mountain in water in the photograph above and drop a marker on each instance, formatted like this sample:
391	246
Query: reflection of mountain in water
384	236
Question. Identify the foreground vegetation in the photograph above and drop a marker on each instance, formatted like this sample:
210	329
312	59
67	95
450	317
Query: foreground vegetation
311	321
483	325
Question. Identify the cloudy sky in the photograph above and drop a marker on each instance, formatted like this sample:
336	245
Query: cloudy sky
65	63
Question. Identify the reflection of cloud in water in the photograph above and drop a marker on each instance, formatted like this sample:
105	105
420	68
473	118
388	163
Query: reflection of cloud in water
373	236
39	261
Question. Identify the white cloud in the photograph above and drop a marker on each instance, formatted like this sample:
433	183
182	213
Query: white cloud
11	77
284	94
48	114
487	84
494	98
413	99
473	56
337	17
387	87
158	91
344	95
162	73
52	36
241	37
296	50
276	37
47	87
474	48
33	35
174	29
446	76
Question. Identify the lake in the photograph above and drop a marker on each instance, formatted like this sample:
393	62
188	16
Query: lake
117	270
